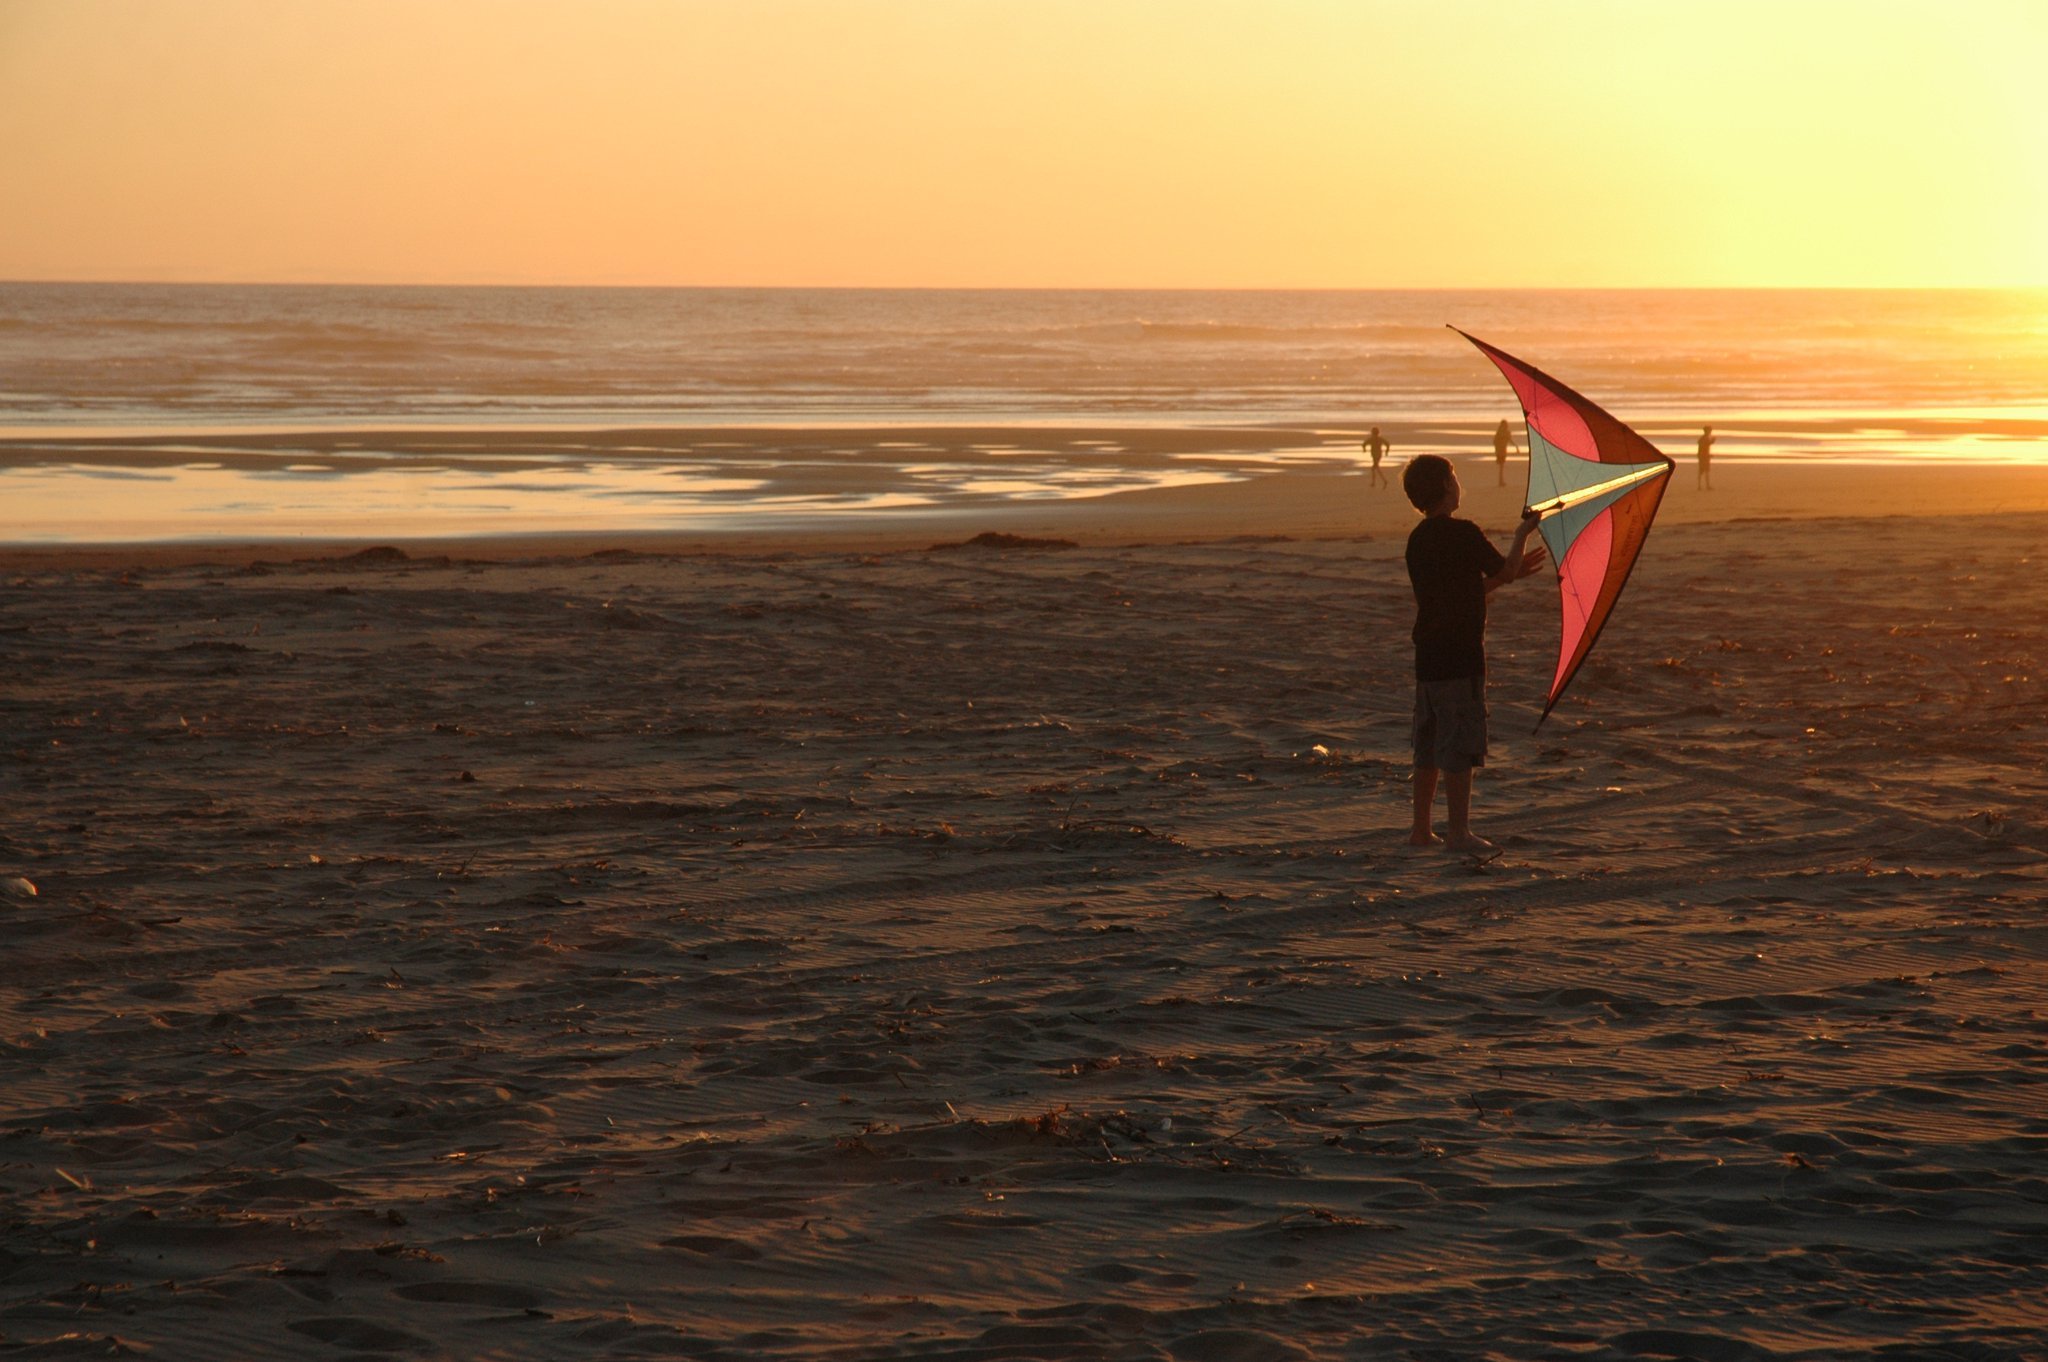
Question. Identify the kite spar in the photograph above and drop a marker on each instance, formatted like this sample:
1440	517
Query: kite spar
1596	483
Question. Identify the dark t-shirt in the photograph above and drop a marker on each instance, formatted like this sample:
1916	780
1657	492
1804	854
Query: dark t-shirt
1449	561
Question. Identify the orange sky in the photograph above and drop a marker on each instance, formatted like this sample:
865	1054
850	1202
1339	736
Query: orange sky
1106	143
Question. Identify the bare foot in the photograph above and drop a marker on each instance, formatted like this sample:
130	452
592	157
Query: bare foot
1424	838
1473	844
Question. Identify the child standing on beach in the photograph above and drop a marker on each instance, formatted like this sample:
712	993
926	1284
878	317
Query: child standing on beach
1377	448
1453	568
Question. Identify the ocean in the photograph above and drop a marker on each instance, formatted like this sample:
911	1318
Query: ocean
104	383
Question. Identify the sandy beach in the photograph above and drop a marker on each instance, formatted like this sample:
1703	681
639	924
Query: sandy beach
734	681
829	945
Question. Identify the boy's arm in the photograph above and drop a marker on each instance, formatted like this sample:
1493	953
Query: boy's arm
1522	560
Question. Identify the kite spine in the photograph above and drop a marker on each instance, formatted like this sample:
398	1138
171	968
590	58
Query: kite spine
1598	489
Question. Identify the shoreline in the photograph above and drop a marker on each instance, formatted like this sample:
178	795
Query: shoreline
2022	422
1309	505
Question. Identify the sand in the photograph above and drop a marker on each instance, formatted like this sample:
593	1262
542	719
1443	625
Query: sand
834	948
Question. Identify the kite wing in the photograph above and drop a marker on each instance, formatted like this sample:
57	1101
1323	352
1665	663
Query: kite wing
1596	483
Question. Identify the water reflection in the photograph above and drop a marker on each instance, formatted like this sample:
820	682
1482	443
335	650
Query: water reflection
466	481
387	496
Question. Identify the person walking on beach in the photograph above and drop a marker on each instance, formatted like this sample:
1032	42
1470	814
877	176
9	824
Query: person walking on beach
1501	439
1453	567
1377	448
1705	480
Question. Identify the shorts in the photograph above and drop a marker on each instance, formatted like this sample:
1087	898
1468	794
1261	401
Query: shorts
1450	723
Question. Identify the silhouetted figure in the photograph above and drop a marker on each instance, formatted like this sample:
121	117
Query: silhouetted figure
1705	481
1377	447
1453	568
1501	440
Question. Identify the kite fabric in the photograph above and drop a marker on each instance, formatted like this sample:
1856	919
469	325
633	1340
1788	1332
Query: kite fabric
1596	483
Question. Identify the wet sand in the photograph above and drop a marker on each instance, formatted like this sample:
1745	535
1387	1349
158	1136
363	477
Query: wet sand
495	493
837	948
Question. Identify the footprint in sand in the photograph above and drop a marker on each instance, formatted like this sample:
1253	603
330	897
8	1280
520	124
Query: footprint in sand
1234	1345
713	1246
360	1334
494	1295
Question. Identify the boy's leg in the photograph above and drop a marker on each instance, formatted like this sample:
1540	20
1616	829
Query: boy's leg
1468	744
1458	803
1458	834
1425	795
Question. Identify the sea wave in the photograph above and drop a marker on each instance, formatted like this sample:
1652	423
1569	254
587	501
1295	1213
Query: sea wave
189	353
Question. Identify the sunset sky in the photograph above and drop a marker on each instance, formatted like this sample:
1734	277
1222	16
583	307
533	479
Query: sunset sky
1096	143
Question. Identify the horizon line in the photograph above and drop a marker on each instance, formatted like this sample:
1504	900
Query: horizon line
1033	288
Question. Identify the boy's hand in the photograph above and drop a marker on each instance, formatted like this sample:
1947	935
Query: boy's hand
1530	520
1533	561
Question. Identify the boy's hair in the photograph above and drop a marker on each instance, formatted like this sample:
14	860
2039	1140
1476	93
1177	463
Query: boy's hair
1426	478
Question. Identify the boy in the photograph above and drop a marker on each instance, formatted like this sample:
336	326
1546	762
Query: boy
1453	568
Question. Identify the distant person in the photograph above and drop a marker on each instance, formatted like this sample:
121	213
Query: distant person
1705	481
1453	567
1501	440
1377	448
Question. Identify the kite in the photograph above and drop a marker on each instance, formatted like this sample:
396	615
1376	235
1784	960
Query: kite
1596	483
